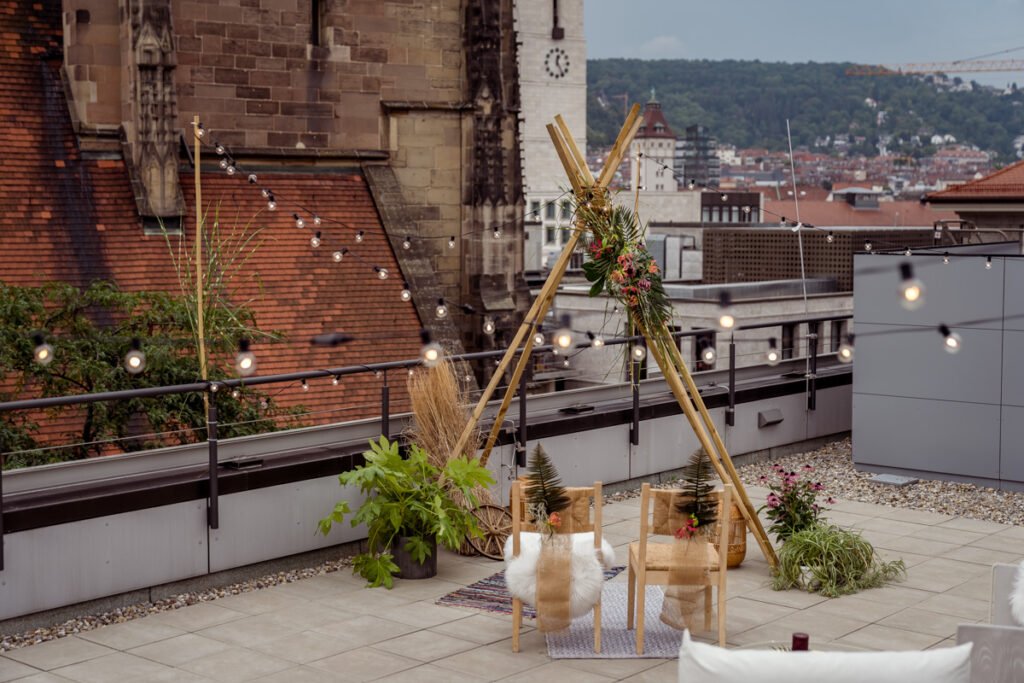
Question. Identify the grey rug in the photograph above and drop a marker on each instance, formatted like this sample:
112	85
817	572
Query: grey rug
577	641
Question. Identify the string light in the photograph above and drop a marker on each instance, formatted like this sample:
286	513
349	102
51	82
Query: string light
951	341
245	361
911	289
563	336
726	321
337	256
407	243
845	352
441	310
316	220
639	352
305	387
252	179
945	258
382	273
406	295
43	352
299	222
224	163
907	252
266	193
214	387
451	242
830	238
431	353
497	233
135	359
218	148
271	202
538	338
488	326
707	352
314	241
236	394
772	356
867	246
231	169
359	236
200	131
988	263
565	363
595	341
336	380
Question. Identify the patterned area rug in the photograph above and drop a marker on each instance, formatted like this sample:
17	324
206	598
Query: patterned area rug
491	595
577	641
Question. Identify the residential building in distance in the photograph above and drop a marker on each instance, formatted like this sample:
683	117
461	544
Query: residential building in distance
697	162
652	152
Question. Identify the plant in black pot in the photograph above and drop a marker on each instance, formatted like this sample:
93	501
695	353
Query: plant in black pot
408	510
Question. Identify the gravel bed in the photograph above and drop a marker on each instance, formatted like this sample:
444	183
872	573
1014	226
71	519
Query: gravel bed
833	467
120	615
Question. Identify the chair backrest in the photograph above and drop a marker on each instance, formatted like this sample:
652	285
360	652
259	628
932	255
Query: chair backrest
664	519
576	519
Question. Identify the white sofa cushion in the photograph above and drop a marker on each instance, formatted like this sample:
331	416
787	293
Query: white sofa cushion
586	568
703	663
1017	596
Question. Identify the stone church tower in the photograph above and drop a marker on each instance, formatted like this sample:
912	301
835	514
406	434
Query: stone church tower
419	96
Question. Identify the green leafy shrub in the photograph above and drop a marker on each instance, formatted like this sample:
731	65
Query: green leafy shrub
832	561
408	497
792	505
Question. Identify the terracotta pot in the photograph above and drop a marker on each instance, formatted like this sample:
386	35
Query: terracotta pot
408	568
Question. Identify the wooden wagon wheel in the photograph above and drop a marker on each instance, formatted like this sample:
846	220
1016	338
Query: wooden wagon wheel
496	523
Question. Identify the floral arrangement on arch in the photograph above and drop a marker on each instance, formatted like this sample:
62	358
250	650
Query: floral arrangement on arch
792	503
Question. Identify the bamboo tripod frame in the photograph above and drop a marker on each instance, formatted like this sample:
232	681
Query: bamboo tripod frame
673	367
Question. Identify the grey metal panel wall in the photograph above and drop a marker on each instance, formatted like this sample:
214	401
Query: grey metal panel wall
279	521
1011	457
746	436
1013	306
1013	368
835	406
62	565
922	435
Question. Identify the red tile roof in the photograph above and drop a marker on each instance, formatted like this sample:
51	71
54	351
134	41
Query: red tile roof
74	218
838	213
654	124
1004	184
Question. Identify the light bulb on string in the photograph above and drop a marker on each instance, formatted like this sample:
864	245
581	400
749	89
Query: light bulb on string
945	258
451	242
867	246
845	352
907	252
236	394
725	321
988	263
252	179
218	148
314	241
224	163
359	236
231	169
336	380
538	338
595	340
214	387
563	337
135	359
441	310
911	289
951	341
638	352
431	352
406	294
707	353
200	130
772	356
317	220
407	243
382	273
43	352
299	221
565	363
264	192
337	256
245	361
264	403
725	197
497	233
411	372
305	386
830	238
488	326
271	202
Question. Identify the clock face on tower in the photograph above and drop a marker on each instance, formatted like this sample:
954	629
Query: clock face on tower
556	63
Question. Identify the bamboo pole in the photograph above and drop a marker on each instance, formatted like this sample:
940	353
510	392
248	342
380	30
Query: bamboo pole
200	311
581	162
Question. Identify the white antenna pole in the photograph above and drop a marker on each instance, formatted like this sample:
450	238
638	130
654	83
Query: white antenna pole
799	225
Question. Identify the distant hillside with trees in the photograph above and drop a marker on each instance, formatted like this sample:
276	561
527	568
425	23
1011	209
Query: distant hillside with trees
746	103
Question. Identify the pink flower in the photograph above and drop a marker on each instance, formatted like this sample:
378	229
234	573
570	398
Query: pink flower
618	276
774	501
816	486
554	520
762	479
653	268
645	285
830	500
809	468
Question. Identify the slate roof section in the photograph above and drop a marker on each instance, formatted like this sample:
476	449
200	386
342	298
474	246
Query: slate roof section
1006	184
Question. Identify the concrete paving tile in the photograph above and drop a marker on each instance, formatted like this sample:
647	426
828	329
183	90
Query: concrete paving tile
251	630
998	541
169	675
54	654
913	516
891	526
743	614
614	668
310	614
845	519
365	630
44	678
967	609
423	614
558	671
866	509
938	574
854	607
118	666
497	661
770	632
985	556
303	647
820	626
666	672
797	599
364	601
258	602
877	637
10	669
924	621
1014	532
478	629
364	664
881	539
426	646
301	674
976	525
318	587
180	649
236	664
979	588
130	634
913	544
429	672
946	534
420	590
896	594
909	559
196	617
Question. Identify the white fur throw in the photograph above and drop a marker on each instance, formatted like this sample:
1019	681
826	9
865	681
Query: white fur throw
1017	596
587	574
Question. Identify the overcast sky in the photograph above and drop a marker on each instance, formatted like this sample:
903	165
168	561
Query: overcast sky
865	31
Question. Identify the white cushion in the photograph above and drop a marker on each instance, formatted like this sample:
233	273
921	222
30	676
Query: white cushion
1017	597
703	663
587	573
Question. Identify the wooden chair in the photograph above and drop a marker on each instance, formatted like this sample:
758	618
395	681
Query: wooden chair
650	562
579	511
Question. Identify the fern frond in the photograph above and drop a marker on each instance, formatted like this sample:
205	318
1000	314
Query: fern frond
544	489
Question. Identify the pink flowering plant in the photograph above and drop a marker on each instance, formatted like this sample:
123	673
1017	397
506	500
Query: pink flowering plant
792	503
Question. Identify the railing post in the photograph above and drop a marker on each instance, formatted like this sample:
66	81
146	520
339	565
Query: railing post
730	412
385	408
213	508
812	388
634	380
521	446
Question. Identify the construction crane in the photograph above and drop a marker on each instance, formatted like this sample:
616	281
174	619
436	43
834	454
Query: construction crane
962	66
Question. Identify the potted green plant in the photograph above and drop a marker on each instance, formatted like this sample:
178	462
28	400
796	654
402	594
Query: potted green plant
408	510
